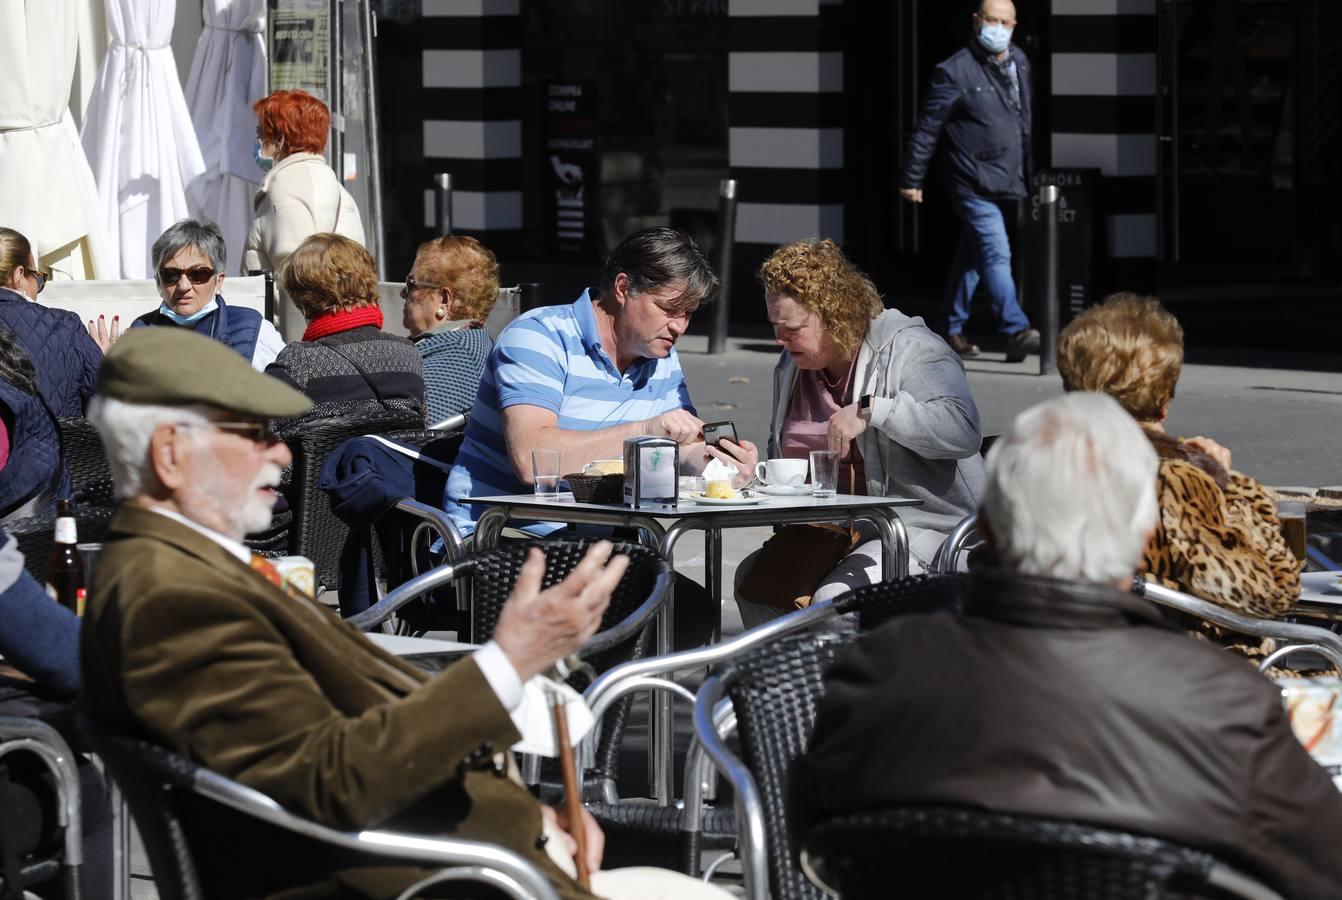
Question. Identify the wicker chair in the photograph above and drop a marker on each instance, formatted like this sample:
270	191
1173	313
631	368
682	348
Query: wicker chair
314	531
35	535
86	459
626	626
941	853
24	735
207	836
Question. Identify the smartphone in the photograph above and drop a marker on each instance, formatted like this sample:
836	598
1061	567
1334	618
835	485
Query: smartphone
714	432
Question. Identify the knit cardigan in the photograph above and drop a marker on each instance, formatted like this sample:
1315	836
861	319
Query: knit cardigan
454	363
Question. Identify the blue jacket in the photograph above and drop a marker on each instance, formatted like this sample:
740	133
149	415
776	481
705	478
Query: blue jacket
35	464
65	357
987	135
236	327
38	635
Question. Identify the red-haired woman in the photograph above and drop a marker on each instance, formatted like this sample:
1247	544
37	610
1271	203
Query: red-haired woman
300	195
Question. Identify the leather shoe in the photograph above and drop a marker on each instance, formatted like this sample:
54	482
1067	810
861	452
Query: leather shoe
962	345
1022	344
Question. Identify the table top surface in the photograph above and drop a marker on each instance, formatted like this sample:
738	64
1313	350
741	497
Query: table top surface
404	645
687	508
1321	587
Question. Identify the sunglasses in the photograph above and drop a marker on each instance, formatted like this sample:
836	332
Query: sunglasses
411	284
256	432
196	275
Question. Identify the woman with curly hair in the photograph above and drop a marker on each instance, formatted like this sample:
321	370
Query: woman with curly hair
448	295
878	387
1218	536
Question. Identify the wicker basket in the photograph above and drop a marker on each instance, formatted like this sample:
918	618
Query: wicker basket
596	488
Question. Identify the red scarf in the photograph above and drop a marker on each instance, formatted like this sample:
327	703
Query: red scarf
336	322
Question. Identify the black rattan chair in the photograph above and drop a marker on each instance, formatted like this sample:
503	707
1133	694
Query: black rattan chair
943	853
35	535
86	459
207	836
626	627
314	531
877	604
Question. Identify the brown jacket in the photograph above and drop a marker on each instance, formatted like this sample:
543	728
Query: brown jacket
186	642
1074	701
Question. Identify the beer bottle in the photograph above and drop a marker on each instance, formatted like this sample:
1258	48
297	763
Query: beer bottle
65	570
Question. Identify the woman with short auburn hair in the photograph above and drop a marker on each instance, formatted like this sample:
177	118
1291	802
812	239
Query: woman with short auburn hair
300	195
882	390
448	294
345	362
1218	536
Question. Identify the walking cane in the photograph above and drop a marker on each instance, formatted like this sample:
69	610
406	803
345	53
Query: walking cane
572	797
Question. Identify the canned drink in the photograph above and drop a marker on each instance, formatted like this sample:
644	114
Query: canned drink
298	574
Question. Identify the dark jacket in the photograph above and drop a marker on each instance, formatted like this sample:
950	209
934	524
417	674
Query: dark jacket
65	357
1081	702
352	372
237	327
987	135
454	363
35	470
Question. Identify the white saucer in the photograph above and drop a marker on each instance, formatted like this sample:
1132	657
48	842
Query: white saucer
785	490
720	501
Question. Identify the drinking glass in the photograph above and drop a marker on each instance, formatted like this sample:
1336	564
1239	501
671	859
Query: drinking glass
545	471
824	472
1292	516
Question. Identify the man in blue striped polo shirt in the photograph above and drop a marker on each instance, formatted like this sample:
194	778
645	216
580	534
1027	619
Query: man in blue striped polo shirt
581	378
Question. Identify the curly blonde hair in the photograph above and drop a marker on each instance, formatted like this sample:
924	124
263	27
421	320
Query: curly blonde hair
329	273
1127	346
817	275
465	266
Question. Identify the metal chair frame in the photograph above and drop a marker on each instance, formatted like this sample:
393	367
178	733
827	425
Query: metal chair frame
20	734
963	537
1328	645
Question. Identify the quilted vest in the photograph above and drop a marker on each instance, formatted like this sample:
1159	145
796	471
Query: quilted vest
65	357
35	471
236	328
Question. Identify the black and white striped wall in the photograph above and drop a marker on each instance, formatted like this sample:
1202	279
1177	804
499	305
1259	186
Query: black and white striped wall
1104	112
785	116
472	77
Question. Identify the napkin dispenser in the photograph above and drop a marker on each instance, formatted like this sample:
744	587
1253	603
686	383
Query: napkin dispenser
651	471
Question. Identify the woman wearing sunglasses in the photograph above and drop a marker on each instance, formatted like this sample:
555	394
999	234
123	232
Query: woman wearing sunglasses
65	358
189	263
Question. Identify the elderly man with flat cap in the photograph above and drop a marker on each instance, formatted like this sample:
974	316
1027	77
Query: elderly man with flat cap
187	638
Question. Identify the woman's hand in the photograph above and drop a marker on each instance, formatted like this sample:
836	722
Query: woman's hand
101	335
1211	448
743	455
844	426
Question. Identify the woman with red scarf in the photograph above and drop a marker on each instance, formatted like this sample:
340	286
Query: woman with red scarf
345	363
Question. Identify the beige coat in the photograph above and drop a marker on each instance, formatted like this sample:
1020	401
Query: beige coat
299	197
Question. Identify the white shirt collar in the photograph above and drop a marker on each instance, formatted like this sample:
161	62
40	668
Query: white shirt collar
241	552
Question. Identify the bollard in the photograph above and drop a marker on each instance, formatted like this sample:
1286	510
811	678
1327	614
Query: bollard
442	190
270	296
717	338
530	294
1048	331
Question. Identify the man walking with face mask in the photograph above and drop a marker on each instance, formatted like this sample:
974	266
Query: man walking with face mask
979	101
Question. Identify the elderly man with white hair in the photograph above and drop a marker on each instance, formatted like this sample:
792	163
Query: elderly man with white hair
1056	692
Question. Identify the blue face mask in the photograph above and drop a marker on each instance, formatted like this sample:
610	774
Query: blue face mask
262	162
187	320
995	37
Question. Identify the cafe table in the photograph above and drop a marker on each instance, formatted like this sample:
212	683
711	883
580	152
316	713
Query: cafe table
663	526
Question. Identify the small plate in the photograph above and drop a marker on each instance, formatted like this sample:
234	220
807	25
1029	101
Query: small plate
748	499
785	490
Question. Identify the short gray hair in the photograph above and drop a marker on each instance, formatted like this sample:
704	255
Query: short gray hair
202	234
126	429
1071	490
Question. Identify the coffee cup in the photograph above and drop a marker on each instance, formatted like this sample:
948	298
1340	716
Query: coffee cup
784	472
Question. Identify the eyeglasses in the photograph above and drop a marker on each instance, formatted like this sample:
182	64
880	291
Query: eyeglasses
195	275
256	432
411	284
40	277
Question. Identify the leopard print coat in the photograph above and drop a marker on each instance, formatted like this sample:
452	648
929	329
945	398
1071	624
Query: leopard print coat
1218	536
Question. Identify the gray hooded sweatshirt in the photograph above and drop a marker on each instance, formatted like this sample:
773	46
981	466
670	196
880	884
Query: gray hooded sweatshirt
924	437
